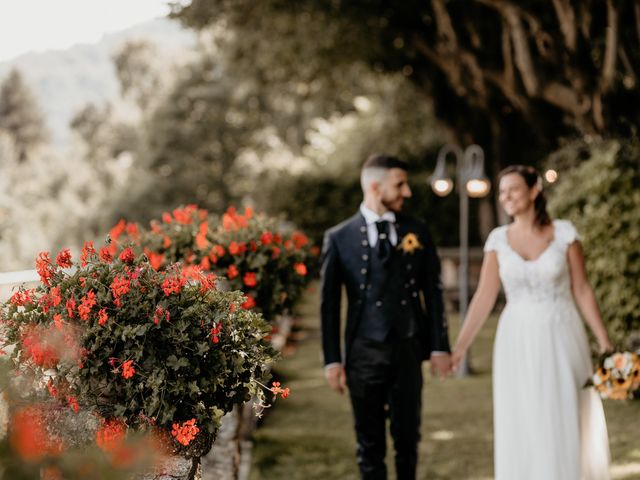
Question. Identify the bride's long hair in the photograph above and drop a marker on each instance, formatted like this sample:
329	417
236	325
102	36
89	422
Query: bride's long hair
531	178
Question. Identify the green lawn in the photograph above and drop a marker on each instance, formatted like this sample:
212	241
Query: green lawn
310	435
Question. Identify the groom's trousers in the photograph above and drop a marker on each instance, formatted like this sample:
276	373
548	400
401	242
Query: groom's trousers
385	381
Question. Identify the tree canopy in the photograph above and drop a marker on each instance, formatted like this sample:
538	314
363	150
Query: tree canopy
512	76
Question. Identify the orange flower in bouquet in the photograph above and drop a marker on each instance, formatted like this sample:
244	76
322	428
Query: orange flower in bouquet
617	375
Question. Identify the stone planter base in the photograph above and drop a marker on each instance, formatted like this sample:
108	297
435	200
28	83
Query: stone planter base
176	468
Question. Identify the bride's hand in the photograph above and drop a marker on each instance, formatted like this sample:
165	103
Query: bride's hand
456	359
606	346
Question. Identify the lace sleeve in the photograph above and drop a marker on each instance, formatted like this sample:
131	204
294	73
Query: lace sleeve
566	232
493	240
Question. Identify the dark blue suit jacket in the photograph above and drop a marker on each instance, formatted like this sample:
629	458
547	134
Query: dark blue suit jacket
345	262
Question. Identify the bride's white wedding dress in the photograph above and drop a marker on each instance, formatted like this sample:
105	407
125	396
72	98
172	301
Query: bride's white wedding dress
546	425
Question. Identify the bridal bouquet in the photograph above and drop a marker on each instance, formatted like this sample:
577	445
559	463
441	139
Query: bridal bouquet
142	349
617	375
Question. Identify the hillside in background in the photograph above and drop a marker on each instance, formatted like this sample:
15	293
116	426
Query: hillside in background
66	80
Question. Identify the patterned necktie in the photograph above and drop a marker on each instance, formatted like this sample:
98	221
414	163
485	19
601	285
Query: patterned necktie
384	246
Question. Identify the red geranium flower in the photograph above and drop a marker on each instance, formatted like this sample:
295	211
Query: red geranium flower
53	391
120	286
102	316
132	231
186	432
299	239
232	272
44	268
276	389
127	369
71	306
21	297
29	436
86	304
41	347
173	284
160	314
87	252
73	403
184	216
266	238
117	230
105	255
249	279
249	303
215	332
127	256
64	258
111	434
205	264
301	269
155	259
208	282
234	248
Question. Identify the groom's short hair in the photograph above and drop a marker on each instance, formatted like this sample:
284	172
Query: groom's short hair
381	160
376	168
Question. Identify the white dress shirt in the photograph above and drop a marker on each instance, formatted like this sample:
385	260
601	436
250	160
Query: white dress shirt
371	218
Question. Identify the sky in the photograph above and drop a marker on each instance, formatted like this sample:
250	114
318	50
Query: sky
39	25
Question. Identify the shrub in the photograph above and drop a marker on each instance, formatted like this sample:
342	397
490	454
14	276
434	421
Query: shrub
601	196
254	253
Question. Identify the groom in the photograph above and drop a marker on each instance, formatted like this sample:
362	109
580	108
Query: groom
389	266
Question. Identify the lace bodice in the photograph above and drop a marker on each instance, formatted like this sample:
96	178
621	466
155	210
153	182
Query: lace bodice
545	278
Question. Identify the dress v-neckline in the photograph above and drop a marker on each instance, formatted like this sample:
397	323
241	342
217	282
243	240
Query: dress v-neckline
540	255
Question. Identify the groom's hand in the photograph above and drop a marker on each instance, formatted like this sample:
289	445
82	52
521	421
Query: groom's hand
440	364
336	377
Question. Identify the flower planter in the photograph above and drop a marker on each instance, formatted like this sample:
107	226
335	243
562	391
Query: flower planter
142	351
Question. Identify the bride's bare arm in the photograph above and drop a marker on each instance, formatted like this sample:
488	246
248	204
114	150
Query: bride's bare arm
584	296
480	307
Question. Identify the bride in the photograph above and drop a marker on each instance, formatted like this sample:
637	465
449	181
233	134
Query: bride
546	425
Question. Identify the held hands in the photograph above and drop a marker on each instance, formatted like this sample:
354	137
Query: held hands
456	359
440	365
336	377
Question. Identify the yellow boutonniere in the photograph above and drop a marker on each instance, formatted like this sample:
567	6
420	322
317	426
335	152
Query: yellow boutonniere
409	243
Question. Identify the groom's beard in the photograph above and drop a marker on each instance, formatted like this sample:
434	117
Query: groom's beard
393	205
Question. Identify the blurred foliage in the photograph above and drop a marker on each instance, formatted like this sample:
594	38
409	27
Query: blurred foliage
392	118
139	71
20	116
503	74
244	129
600	193
50	198
41	437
